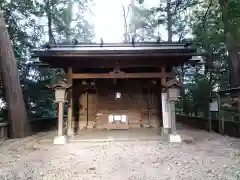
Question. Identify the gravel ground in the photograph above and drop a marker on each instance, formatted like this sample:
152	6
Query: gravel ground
210	156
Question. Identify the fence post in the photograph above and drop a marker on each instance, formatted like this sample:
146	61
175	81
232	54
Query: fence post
210	121
3	130
223	123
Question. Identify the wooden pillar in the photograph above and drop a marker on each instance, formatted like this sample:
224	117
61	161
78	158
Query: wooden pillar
149	107
60	118
164	78
86	108
70	104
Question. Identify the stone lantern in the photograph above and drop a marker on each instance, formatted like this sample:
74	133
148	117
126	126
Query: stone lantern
173	93
60	90
60	94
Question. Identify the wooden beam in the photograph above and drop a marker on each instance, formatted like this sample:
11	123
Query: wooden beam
163	79
121	76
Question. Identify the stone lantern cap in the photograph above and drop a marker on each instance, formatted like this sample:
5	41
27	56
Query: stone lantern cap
60	91
60	85
173	83
173	90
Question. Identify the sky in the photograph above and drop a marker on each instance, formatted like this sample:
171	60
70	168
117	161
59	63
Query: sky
107	18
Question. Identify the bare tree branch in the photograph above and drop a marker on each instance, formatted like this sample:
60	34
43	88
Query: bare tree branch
125	15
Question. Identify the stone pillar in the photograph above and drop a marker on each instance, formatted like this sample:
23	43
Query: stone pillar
173	97
173	117
165	114
60	139
60	98
173	137
60	118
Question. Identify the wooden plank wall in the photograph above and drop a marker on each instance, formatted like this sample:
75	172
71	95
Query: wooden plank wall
96	107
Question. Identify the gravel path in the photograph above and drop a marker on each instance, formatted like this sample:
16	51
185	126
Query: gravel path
213	157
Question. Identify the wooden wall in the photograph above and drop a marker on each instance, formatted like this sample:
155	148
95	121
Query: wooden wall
140	106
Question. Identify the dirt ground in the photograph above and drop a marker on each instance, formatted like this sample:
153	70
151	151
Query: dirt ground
204	156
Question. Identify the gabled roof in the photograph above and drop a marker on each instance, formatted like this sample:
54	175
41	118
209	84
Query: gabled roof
116	49
106	55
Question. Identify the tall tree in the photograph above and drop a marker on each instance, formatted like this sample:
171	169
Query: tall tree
231	25
27	32
172	15
16	107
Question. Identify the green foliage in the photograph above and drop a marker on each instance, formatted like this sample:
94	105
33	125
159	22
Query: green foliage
175	18
205	23
26	33
233	16
199	81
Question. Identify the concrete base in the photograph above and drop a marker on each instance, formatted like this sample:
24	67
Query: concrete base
175	138
146	125
166	131
90	127
70	133
60	140
117	126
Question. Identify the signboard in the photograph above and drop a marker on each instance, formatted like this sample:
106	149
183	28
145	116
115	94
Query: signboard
165	111
214	105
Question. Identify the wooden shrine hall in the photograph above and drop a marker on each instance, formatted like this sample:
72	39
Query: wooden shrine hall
120	85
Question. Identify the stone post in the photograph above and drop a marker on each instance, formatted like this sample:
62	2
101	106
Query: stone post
165	114
174	137
60	139
173	93
60	98
60	118
173	117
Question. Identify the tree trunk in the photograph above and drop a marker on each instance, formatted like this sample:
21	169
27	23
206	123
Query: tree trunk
48	10
234	64
169	21
14	97
125	17
232	48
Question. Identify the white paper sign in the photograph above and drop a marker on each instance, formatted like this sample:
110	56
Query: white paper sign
213	106
118	95
124	118
165	111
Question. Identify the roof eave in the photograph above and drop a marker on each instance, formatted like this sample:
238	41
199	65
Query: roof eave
152	53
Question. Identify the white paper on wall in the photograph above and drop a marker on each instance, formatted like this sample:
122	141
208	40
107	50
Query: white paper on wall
110	118
124	118
117	118
118	95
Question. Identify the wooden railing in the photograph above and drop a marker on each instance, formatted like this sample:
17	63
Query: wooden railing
3	131
224	126
36	125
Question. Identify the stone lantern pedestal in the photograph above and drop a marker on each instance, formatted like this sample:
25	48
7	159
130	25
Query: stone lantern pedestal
60	98
173	93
